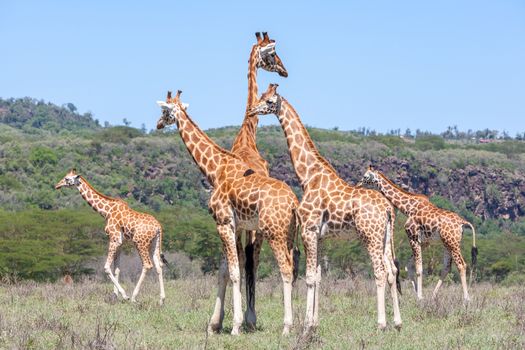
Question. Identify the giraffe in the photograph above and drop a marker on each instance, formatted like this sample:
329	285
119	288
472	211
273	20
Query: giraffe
330	207
241	200
122	223
426	222
262	55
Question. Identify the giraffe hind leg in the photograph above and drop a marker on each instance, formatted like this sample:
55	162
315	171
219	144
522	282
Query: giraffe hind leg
447	261
144	252
252	251
157	261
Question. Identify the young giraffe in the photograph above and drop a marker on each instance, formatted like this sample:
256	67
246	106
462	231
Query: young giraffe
426	222
241	200
263	56
122	222
331	207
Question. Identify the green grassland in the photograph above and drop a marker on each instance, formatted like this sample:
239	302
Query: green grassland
86	315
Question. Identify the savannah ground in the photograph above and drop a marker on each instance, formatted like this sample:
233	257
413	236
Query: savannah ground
86	315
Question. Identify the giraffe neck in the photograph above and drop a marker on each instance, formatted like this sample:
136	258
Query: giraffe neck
401	199
306	159
99	202
248	132
207	154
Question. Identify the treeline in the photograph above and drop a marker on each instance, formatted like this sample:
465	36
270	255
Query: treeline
46	233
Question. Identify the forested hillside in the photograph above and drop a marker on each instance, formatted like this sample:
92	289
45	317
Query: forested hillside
45	233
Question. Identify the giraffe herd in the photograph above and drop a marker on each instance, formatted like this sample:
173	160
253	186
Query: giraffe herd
245	199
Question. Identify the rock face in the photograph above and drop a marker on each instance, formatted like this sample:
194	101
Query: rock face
487	192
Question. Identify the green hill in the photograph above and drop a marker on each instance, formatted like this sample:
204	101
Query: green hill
40	141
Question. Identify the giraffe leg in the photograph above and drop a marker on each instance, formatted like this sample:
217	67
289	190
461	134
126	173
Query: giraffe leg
418	259
284	256
381	278
158	266
310	243
144	252
392	273
228	238
447	261
252	251
462	268
116	267
317	283
114	245
411	269
217	317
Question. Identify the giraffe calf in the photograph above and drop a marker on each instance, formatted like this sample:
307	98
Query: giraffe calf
122	223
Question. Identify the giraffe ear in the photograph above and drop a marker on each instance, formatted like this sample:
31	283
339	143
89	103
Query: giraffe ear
162	104
185	105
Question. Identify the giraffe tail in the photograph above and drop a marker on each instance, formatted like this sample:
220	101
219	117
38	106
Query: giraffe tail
162	257
295	225
473	250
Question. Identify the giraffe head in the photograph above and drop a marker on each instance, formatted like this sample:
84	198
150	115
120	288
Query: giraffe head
371	177
265	55
269	103
171	110
71	179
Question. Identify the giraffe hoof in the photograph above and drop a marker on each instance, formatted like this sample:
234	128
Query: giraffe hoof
381	326
235	330
214	328
398	326
286	330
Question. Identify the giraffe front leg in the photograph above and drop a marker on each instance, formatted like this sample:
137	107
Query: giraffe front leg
228	238
116	267
217	317
418	260
310	243
114	245
252	251
447	261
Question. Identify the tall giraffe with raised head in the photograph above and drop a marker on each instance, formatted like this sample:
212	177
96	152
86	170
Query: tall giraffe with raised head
330	207
241	200
123	223
262	55
426	222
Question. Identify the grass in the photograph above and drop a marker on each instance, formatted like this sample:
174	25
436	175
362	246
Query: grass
85	315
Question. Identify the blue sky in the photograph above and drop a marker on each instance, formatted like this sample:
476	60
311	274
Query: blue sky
379	64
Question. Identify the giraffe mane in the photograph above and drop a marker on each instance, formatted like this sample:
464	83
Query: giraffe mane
418	195
98	193
208	139
310	142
